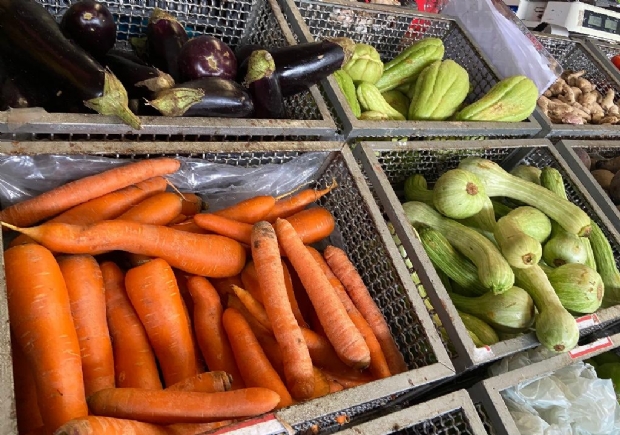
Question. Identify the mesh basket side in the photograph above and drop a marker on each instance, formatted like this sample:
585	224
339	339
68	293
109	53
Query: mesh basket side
451	423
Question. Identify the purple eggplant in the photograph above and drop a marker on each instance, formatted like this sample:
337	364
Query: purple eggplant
242	52
129	55
207	56
90	25
165	37
36	39
264	86
209	96
140	80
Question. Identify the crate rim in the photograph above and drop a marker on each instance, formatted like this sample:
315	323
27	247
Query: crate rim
355	128
468	356
303	412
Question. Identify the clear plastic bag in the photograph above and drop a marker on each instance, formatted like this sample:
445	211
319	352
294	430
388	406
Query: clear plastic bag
219	184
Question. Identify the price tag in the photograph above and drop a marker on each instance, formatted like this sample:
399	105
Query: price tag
483	353
587	349
587	321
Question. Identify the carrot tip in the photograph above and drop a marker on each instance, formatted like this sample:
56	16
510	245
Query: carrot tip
12	227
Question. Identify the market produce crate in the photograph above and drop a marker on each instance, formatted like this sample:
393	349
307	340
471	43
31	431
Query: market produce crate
391	29
388	164
450	414
239	22
574	55
487	393
360	231
604	51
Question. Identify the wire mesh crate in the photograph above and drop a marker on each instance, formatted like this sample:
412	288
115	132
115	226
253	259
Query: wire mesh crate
360	231
390	30
387	165
234	22
604	51
488	393
576	56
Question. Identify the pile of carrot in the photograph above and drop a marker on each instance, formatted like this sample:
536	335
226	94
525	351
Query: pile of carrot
132	311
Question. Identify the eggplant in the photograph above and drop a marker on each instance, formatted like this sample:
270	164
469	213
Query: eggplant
165	36
90	25
129	55
303	65
209	96
264	86
207	56
139	80
242	52
35	37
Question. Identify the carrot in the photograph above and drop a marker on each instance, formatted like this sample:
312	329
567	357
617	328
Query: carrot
272	350
76	192
257	327
297	362
323	353
40	319
195	428
214	223
134	360
301	296
205	255
41	430
191	204
177	220
153	292
136	260
340	330
224	285
168	406
313	224
209	329
255	308
348	380
92	425
286	207
188	226
321	384
378	364
355	287
26	405
255	368
250	210
87	296
207	382
288	281
159	209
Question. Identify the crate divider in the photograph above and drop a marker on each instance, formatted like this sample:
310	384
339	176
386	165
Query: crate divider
604	51
393	290
355	129
468	356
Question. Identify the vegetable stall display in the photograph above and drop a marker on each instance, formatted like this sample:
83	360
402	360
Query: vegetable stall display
166	322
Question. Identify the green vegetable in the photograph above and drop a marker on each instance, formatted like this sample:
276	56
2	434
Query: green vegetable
475	339
579	288
498	182
500	209
532	222
527	173
556	329
607	357
365	64
484	220
511	312
606	266
397	100
493	270
372	115
371	99
519	249
610	371
458	194
451	262
345	83
483	332
416	189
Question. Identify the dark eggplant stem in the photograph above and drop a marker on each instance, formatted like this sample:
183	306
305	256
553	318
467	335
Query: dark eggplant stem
114	101
176	101
260	65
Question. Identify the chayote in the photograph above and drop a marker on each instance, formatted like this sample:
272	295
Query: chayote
365	64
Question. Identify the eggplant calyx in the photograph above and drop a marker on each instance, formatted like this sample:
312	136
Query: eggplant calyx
348	46
175	102
260	65
160	14
158	83
114	101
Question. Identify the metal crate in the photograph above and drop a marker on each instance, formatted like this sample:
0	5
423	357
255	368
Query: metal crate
391	29
238	22
488	392
388	164
360	231
575	55
604	51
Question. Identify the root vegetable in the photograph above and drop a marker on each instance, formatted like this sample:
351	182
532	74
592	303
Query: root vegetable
603	177
611	119
608	101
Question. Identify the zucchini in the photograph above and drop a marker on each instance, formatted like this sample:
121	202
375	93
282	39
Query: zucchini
519	249
532	222
458	194
579	288
479	329
527	173
416	189
484	220
498	182
500	209
493	270
606	266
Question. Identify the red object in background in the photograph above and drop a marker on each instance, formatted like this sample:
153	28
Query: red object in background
616	60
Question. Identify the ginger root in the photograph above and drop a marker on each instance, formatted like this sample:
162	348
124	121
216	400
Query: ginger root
608	101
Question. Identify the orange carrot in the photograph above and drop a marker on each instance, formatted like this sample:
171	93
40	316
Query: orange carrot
205	255
224	285
40	319
195	428
348	380
134	360
177	220
191	204
378	364
188	226
207	382
334	386
254	307
250	210
349	277
209	329
297	362
255	368
214	223
136	260
104	207
168	406
323	353
159	209
87	296
257	327
272	350
286	207
41	430
321	384
26	405
313	224
92	425
249	278
340	330
288	281
76	192
301	296
153	292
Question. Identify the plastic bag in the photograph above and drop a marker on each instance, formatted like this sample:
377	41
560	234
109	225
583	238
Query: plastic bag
219	184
